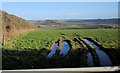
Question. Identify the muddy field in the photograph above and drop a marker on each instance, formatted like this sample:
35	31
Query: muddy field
75	56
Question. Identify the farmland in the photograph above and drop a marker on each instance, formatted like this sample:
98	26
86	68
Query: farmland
33	47
27	45
37	39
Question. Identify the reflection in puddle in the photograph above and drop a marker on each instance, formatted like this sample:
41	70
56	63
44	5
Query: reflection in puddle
52	52
65	48
90	59
63	52
104	58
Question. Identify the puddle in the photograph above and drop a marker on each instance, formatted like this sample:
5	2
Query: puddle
52	52
90	59
63	52
104	58
65	48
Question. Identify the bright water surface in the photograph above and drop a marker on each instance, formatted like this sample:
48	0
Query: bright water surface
104	58
63	52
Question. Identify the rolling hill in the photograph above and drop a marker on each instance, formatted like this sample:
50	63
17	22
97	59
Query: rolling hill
76	24
12	25
95	21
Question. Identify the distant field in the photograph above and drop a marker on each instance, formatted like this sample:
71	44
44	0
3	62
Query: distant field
38	39
52	24
79	25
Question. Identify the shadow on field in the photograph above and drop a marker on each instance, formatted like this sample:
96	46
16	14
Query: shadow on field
16	59
34	59
113	53
37	59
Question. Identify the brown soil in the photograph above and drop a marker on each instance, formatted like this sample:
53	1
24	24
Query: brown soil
60	44
52	45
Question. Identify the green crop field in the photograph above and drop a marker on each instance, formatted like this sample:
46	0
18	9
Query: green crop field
38	39
29	50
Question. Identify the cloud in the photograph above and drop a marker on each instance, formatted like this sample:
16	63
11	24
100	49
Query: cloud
72	14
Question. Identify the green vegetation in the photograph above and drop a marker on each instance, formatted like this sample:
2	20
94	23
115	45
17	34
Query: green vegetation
12	25
79	25
35	59
30	49
38	39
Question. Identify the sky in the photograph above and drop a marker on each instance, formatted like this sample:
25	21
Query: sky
60	0
61	10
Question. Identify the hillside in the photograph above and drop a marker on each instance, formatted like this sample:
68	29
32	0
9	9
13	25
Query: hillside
12	25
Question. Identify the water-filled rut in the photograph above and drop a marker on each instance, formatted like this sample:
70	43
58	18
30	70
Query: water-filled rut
95	57
103	57
90	59
63	52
